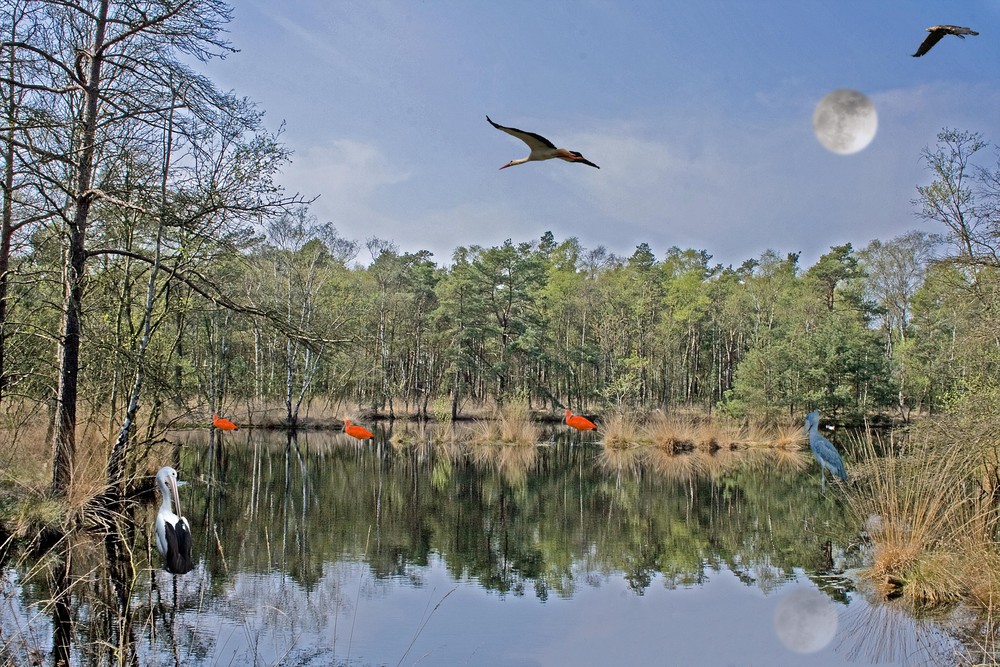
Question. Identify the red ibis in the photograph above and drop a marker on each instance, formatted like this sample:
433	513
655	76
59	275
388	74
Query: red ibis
541	148
579	423
355	431
223	424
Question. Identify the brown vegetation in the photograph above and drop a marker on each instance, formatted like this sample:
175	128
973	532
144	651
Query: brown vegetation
923	506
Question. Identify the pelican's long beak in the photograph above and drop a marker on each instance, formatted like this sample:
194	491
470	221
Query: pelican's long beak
173	492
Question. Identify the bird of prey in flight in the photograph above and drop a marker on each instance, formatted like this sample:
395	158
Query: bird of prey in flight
939	31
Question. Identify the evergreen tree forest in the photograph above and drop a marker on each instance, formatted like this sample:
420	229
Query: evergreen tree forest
151	267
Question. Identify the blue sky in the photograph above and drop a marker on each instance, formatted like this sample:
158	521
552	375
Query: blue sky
698	112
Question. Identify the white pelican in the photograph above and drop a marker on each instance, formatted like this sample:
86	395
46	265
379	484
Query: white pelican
173	534
939	31
541	148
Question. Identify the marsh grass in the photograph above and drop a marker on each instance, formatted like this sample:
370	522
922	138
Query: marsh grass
27	510
511	424
789	437
686	432
913	506
679	434
621	431
780	435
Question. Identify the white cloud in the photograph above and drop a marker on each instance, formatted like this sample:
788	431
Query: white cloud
348	176
735	186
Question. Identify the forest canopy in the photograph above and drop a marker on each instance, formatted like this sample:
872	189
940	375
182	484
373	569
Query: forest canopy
149	264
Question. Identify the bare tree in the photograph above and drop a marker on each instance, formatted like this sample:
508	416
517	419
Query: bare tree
303	258
113	81
963	196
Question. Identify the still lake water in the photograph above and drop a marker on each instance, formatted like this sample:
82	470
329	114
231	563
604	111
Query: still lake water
317	550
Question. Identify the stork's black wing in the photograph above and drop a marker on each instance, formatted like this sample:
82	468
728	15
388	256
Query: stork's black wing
534	141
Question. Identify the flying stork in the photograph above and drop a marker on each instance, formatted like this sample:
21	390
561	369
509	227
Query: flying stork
939	31
541	148
173	534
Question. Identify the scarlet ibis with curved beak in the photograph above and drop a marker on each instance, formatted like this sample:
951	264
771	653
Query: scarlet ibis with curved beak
173	533
541	148
355	431
223	424
579	423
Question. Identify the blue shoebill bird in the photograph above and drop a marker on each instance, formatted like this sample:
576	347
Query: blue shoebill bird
173	533
824	451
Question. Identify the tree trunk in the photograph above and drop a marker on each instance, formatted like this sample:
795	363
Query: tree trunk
64	440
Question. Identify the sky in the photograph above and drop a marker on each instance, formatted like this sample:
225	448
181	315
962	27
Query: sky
699	114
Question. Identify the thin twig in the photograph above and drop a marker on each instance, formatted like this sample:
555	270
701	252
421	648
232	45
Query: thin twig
424	624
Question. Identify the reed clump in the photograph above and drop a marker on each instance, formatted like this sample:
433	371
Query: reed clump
916	512
621	431
511	424
675	434
789	437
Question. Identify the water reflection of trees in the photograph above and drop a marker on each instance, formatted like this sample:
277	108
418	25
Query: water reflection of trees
277	516
514	518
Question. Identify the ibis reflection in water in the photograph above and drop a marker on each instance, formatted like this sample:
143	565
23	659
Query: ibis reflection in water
173	533
824	451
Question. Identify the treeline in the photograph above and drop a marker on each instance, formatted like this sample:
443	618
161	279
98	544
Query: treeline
556	324
149	262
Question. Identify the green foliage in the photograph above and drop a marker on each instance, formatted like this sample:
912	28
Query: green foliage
275	312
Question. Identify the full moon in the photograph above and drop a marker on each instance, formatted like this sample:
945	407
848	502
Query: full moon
805	620
845	121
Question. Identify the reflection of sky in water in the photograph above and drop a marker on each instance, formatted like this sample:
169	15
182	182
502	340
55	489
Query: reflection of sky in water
349	614
314	555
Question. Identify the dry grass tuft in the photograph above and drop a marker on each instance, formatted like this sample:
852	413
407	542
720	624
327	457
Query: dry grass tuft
672	434
789	437
914	511
755	434
620	431
680	434
512	424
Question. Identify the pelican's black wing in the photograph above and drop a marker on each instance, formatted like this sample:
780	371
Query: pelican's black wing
178	558
534	141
